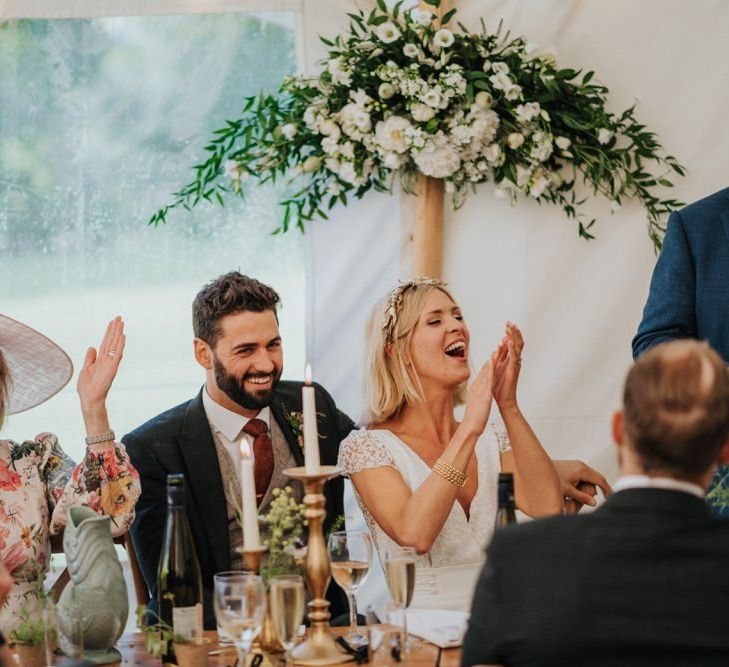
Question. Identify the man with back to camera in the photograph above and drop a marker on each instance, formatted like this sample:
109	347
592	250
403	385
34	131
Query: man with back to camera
238	343
649	583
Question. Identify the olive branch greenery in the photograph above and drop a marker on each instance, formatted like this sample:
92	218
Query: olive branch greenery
397	96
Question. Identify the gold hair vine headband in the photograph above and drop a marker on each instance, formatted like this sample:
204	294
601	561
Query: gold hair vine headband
393	305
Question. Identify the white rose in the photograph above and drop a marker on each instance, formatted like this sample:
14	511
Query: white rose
410	51
443	38
492	153
563	143
390	134
514	140
329	129
422	113
438	160
394	161
386	91
604	135
289	130
484	99
501	81
312	163
388	32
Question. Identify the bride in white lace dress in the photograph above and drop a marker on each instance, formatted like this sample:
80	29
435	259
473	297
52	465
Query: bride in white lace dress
421	478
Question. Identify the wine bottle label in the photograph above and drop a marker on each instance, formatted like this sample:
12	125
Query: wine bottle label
187	621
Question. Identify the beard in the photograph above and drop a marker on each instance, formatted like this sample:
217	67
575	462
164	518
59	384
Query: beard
234	388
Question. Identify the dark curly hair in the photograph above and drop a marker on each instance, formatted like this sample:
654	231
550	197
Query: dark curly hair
230	293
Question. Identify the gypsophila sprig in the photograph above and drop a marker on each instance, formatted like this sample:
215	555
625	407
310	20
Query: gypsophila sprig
398	96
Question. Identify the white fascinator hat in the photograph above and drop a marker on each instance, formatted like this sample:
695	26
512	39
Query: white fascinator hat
38	368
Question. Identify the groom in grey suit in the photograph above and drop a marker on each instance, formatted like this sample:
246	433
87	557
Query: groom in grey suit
237	342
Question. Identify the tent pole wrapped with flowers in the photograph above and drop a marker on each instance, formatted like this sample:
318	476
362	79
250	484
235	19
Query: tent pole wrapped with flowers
402	98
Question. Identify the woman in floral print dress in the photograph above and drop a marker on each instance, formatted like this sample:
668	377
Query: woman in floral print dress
38	481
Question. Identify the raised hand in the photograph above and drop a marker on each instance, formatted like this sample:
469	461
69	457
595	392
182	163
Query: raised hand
100	368
480	395
507	366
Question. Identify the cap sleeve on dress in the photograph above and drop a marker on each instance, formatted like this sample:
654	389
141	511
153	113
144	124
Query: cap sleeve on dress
362	450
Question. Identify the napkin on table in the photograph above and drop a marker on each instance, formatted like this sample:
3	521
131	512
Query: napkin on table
442	627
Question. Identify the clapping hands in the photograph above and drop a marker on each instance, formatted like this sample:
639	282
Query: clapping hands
507	365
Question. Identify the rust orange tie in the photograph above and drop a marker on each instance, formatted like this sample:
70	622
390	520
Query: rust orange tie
262	454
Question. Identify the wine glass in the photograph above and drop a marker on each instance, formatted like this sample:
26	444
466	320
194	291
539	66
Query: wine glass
288	603
350	555
400	575
240	606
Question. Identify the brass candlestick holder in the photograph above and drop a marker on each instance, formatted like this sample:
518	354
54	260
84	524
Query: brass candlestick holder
252	558
319	647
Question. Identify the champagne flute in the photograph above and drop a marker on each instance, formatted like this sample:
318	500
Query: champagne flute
400	575
240	606
288	603
350	555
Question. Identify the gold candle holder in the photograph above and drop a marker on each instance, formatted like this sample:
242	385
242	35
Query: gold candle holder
252	558
319	647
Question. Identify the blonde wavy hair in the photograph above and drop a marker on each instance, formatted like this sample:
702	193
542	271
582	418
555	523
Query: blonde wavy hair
390	382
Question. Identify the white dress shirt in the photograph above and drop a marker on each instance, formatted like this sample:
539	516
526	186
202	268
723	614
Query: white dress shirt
228	426
646	482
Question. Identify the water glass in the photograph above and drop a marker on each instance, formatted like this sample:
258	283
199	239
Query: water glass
385	634
224	637
288	604
240	607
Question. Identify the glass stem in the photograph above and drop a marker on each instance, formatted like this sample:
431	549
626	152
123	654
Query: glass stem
352	613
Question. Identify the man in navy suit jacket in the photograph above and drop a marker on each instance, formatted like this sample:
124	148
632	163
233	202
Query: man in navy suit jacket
689	292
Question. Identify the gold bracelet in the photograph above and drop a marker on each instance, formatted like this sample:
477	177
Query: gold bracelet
449	473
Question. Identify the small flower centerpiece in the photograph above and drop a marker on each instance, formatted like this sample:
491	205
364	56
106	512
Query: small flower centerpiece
400	96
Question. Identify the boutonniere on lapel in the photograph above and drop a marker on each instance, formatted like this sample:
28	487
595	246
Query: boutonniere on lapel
296	422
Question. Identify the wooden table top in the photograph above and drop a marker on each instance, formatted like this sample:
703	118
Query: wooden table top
131	646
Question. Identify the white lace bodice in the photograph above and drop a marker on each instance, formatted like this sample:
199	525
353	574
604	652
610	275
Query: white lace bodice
462	540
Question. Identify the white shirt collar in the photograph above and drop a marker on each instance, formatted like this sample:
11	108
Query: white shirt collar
227	422
646	482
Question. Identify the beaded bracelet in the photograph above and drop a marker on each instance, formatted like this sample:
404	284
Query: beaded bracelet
449	473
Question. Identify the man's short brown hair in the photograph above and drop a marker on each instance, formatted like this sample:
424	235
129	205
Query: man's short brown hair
226	295
676	406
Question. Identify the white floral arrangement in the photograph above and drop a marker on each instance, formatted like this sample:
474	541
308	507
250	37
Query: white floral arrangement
400	96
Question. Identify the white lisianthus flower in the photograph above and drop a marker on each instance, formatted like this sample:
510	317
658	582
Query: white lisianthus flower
334	188
329	129
563	143
422	17
232	170
541	151
500	68
604	135
492	153
538	185
514	140
394	161
347	172
330	145
422	113
390	134
354	118
483	99
547	54
410	50
513	93
523	174
439	159
433	98
289	130
388	33
311	118
443	38
527	112
504	189
347	150
386	91
501	81
312	163
339	72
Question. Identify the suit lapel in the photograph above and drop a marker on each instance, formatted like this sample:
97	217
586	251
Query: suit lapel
277	410
198	451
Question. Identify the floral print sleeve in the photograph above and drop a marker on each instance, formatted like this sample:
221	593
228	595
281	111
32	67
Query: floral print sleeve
105	481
